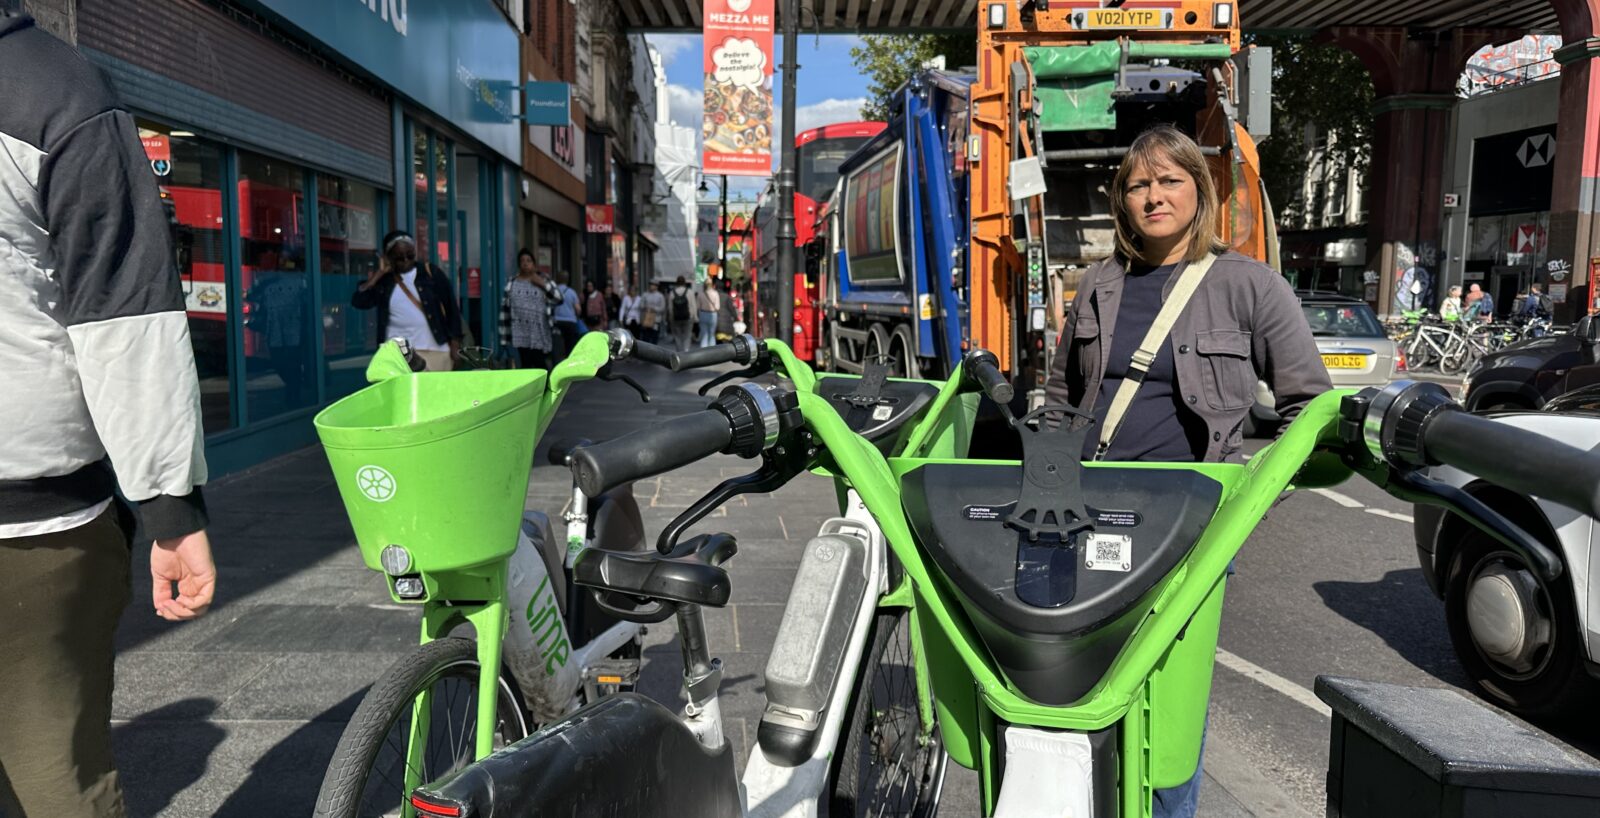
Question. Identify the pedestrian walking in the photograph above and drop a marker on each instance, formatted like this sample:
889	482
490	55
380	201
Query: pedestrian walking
525	324
1210	321
103	424
594	307
631	312
682	314
415	302
613	305
708	303
653	314
727	312
565	318
1450	308
1537	304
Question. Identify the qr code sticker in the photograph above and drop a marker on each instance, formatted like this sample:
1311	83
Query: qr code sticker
1108	552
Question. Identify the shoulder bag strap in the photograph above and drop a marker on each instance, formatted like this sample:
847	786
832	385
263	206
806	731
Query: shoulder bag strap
1145	356
409	294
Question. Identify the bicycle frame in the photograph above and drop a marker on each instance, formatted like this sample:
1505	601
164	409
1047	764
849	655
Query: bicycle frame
1157	680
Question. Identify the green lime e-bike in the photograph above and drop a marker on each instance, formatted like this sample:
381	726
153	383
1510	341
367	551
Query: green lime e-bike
1049	623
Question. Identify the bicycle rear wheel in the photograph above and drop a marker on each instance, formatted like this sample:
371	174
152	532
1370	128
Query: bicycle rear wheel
366	776
885	767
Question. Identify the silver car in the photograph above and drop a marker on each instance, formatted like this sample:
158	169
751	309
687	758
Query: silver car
1354	347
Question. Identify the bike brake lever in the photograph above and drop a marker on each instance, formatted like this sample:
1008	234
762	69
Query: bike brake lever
606	374
755	370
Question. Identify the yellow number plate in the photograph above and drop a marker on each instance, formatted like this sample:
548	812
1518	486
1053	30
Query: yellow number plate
1127	18
1344	361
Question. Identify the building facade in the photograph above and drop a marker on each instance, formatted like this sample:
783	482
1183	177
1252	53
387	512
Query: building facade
287	136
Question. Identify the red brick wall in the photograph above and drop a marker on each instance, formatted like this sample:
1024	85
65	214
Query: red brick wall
195	43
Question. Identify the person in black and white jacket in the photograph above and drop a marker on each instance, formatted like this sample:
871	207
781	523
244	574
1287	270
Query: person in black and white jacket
102	400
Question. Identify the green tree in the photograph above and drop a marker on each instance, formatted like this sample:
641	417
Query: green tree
1318	85
888	60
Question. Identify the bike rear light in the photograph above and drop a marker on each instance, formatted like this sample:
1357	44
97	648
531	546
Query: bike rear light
395	560
429	809
1399	360
409	588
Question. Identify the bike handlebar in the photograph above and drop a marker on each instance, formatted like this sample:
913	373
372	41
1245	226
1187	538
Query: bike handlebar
625	345
984	370
741	349
654	450
1417	424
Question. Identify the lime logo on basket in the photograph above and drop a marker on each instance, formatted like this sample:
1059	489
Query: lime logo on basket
376	483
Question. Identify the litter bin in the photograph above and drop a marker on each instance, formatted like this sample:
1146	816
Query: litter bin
1434	753
437	463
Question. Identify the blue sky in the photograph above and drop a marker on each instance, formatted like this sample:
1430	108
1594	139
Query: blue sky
828	86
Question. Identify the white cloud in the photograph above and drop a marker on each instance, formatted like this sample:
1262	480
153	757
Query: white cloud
827	112
685	106
672	45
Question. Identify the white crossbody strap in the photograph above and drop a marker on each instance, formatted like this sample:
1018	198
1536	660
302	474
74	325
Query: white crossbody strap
1145	356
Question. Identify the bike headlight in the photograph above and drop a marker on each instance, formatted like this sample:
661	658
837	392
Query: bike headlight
395	560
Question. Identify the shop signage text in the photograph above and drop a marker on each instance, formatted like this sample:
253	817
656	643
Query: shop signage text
546	103
598	218
391	11
737	60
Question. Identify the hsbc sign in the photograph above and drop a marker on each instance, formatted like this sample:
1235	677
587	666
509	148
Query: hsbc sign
1527	238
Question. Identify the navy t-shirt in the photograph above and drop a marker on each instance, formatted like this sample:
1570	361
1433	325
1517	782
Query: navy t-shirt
1155	427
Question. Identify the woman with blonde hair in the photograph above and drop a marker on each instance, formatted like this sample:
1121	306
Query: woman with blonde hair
1168	337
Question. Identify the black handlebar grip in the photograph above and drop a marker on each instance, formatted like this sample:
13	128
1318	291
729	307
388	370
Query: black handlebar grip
985	371
652	354
650	451
704	356
1518	459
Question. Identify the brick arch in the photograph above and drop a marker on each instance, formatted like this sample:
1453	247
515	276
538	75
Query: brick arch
1579	19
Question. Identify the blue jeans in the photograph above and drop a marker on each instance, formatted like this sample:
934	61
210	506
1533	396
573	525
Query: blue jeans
708	328
1182	801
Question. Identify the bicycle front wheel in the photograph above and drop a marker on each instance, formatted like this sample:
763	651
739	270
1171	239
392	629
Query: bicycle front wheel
367	776
887	766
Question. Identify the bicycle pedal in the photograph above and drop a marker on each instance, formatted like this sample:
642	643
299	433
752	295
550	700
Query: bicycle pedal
609	676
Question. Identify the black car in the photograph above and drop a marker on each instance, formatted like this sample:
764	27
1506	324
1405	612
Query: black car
1527	374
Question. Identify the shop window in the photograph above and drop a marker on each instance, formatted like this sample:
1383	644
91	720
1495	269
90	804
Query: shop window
443	212
348	231
279	356
419	188
188	173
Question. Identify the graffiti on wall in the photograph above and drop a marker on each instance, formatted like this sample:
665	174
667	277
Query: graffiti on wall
1414	278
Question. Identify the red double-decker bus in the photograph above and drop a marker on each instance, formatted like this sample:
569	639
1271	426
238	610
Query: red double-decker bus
819	153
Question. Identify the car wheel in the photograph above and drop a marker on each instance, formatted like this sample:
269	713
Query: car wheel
1515	635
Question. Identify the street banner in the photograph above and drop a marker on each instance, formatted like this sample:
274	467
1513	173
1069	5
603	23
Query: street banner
598	218
547	103
737	129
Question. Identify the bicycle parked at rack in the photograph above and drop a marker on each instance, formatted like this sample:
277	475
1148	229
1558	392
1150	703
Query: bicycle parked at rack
1049	623
433	469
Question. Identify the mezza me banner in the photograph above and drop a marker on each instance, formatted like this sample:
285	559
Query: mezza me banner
737	129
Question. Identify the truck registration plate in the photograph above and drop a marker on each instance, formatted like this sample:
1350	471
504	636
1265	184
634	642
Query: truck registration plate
1344	361
1127	18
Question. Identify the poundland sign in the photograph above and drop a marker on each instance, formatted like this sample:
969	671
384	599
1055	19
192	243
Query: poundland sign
459	59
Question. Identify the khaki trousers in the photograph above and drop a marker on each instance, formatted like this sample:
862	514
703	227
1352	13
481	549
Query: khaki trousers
61	595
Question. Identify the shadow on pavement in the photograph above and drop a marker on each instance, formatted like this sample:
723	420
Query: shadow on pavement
1401	610
285	780
176	766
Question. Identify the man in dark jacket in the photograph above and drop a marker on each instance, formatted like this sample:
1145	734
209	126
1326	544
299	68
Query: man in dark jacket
95	341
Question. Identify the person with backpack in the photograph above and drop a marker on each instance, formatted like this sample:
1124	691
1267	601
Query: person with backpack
682	315
1537	304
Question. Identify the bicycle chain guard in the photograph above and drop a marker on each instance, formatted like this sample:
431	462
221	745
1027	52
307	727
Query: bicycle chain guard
1051	500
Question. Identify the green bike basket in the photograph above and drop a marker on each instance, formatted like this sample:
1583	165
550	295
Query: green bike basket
436	463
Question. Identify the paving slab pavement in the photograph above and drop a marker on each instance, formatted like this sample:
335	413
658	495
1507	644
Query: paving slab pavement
237	714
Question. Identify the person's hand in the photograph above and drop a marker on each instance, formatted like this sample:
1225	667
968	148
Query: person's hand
455	350
378	274
186	561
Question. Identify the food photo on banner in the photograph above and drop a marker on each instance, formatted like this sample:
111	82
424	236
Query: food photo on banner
738	98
